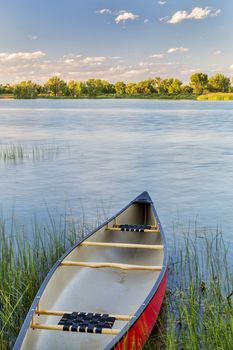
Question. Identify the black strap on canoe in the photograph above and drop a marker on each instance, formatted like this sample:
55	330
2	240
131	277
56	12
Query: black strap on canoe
86	322
135	228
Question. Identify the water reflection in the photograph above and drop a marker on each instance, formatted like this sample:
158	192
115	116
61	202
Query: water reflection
180	151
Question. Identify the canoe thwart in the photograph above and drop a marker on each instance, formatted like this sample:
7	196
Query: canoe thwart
121	245
111	265
81	322
62	313
133	228
78	329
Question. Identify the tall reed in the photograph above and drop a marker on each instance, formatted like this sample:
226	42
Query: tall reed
198	308
197	312
20	152
23	265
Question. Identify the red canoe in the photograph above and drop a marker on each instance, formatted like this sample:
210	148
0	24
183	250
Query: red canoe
106	291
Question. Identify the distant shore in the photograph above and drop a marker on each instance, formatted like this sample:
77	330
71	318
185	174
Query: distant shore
200	86
109	96
205	97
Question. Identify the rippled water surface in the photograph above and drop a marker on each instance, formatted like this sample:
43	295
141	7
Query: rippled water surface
111	150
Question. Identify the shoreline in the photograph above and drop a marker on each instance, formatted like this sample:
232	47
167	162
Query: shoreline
201	98
105	97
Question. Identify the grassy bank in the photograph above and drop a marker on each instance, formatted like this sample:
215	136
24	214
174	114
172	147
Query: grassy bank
114	96
24	264
128	96
198	308
197	312
220	96
6	96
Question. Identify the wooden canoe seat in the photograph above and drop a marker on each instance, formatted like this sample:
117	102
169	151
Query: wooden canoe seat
133	228
81	322
111	265
136	225
121	245
86	322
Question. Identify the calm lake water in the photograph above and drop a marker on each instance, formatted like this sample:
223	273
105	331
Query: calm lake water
108	151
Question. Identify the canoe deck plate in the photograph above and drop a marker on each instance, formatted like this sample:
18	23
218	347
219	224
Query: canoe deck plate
86	322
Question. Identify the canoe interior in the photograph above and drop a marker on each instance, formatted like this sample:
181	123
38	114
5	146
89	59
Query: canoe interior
102	290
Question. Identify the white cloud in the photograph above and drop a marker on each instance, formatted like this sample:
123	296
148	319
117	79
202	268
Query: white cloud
217	52
94	59
97	60
104	12
57	74
136	72
124	16
146	20
164	19
162	2
83	67
157	55
69	60
32	37
16	56
189	71
197	13
177	49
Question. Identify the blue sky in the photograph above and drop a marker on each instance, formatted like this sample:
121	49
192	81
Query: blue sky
116	40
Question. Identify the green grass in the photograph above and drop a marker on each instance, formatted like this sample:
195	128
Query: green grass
127	96
220	96
198	308
6	96
197	311
24	264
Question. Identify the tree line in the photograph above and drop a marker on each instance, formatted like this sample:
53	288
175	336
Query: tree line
199	84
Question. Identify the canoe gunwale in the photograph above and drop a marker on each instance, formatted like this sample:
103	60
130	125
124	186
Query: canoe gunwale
142	198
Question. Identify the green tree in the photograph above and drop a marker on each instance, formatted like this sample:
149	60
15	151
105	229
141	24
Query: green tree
96	87
25	89
219	83
56	87
120	88
145	87
106	87
8	89
158	85
131	89
2	89
74	88
165	85
174	86
198	81
186	89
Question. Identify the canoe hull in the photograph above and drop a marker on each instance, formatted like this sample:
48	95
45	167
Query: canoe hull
139	333
138	294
